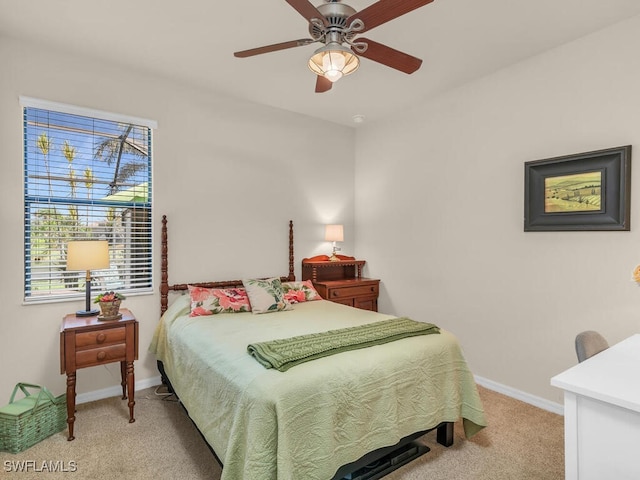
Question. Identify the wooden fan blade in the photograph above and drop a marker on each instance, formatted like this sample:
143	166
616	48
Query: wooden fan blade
389	56
307	10
273	48
385	10
322	84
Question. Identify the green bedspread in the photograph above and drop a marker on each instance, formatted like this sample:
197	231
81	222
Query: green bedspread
284	353
320	415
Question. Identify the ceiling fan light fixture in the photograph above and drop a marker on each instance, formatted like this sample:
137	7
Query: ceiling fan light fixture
333	61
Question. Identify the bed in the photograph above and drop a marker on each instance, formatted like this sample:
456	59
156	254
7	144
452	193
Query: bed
320	419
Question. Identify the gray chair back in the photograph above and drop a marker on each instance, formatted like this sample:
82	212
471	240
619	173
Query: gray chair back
589	343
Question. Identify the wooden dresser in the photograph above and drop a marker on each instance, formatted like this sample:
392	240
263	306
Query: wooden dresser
341	281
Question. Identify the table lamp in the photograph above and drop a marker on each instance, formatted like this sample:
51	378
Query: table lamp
334	233
87	255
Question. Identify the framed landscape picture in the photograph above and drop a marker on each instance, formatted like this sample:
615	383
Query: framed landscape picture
585	191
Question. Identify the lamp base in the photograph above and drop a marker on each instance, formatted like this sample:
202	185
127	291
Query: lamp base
334	257
87	313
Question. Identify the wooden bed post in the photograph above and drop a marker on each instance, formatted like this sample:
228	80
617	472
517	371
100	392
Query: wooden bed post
164	268
292	275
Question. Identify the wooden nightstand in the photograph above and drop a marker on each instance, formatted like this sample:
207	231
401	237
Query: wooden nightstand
87	342
342	281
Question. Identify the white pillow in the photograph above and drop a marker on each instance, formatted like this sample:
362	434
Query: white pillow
266	295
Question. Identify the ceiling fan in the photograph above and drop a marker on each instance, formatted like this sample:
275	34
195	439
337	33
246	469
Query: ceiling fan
336	24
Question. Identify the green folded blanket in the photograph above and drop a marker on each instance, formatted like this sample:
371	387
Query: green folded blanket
282	354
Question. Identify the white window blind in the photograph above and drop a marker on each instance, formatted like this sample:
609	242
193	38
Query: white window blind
87	176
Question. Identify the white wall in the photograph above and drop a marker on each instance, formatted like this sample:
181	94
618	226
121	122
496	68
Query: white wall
228	174
439	210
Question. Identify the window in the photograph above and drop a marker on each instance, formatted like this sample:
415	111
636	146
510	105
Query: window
87	175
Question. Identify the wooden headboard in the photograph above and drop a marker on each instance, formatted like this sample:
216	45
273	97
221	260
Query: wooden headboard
165	287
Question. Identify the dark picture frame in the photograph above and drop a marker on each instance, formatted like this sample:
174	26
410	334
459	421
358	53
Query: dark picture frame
584	191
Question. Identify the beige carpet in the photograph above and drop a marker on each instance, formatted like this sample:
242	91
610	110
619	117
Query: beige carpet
521	443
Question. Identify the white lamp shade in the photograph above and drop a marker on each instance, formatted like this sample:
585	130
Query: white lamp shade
88	255
334	233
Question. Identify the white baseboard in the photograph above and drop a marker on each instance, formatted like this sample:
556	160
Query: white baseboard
116	390
534	400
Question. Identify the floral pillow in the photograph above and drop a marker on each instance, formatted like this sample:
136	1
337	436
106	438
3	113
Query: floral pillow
296	292
266	295
209	301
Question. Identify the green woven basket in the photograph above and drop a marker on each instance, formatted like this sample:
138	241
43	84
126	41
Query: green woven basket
25	422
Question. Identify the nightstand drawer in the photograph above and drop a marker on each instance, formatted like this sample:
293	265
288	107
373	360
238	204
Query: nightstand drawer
101	337
355	291
95	356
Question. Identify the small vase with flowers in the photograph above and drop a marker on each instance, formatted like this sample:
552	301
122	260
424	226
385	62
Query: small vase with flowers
109	305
